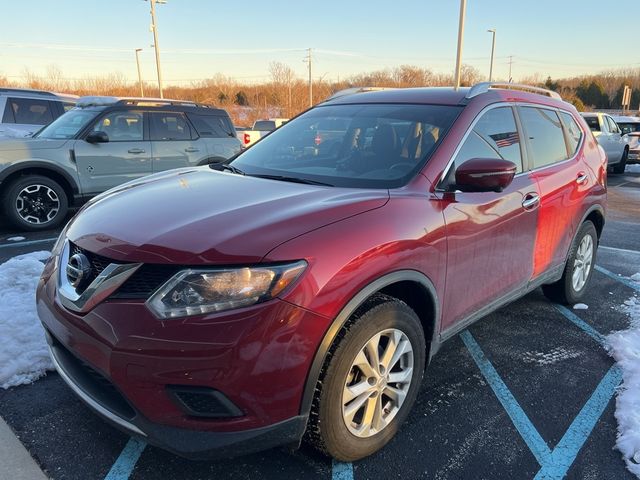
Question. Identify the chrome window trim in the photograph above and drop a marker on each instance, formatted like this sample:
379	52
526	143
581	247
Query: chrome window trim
519	125
445	172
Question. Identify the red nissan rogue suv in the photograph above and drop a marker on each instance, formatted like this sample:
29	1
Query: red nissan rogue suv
300	290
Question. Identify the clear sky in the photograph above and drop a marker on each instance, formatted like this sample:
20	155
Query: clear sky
201	38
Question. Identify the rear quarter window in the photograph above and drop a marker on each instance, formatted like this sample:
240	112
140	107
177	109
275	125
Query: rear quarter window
593	123
27	111
573	131
212	126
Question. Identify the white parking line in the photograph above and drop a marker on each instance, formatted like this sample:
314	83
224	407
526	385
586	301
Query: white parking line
619	250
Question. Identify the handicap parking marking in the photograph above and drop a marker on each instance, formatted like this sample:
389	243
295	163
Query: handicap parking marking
126	461
521	421
341	470
624	280
584	326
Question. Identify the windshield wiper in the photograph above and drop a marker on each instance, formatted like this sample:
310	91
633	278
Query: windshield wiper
285	178
224	166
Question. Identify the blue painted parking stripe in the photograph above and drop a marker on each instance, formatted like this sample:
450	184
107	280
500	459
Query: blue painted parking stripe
123	466
341	470
624	280
588	329
529	434
565	453
26	243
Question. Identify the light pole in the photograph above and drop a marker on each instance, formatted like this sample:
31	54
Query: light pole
156	47
493	49
463	8
138	50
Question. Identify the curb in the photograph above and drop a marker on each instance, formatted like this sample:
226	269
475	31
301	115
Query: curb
16	461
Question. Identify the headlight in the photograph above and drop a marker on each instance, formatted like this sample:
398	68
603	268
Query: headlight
200	291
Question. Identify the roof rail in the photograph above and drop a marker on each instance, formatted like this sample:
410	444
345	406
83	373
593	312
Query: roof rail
352	90
99	101
26	90
484	87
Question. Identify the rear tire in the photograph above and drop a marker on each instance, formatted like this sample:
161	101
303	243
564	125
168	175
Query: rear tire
620	167
34	202
340	426
571	288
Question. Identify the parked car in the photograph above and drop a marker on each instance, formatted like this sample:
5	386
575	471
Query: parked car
25	111
609	136
630	127
296	292
259	129
101	143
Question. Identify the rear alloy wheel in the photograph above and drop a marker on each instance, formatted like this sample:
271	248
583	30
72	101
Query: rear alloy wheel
370	380
35	203
572	286
620	167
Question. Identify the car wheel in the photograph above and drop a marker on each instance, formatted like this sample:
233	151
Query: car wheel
34	202
572	286
369	382
619	168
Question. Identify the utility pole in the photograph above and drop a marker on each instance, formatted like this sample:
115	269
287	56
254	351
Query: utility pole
138	50
493	49
510	64
308	60
156	47
463	8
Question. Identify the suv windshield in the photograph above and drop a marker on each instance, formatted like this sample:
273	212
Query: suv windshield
366	146
68	125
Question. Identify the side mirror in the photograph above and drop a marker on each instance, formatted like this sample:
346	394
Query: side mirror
97	137
484	175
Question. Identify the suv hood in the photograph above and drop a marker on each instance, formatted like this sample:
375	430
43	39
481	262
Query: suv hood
200	216
11	144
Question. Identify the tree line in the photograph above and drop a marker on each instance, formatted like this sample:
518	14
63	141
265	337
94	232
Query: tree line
286	95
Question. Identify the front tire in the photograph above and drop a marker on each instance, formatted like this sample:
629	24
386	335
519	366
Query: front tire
34	202
571	288
369	382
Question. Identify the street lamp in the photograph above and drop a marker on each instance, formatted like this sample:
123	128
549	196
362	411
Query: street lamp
493	49
138	50
463	8
156	47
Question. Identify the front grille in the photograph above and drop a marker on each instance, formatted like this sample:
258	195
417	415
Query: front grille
147	279
91	382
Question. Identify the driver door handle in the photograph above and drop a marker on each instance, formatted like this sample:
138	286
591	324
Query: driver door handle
191	149
531	201
581	178
136	150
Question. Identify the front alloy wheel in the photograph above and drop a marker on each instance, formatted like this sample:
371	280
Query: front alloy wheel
37	204
370	380
34	202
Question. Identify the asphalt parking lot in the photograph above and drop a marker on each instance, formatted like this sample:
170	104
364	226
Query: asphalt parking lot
526	392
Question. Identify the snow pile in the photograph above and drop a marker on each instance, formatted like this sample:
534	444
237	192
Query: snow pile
23	350
15	239
624	346
580	306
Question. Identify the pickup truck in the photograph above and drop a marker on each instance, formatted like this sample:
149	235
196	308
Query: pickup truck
260	129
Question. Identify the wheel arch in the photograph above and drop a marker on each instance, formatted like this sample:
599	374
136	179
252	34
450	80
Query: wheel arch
41	168
410	286
595	214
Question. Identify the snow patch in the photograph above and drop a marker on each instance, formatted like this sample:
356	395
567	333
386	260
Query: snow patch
549	358
24	356
15	239
580	306
624	347
633	168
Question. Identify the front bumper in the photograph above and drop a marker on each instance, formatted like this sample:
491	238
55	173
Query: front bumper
121	361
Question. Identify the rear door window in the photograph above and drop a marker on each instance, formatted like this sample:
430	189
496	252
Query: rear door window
545	135
593	123
169	126
613	126
212	126
27	111
574	134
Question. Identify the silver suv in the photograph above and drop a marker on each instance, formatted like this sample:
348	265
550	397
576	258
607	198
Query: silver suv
23	112
101	143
